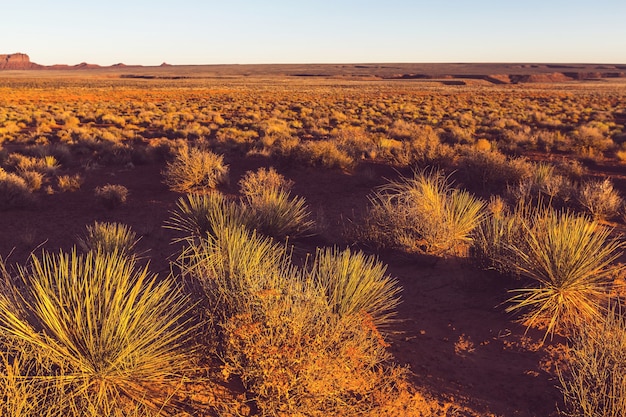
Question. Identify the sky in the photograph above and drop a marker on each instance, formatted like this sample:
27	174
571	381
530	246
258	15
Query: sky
150	32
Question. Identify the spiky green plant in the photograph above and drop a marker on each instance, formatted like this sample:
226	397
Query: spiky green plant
234	265
195	169
594	382
109	237
274	212
425	212
571	260
354	282
114	335
196	215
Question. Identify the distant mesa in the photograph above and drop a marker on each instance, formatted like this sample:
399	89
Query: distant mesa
17	61
165	64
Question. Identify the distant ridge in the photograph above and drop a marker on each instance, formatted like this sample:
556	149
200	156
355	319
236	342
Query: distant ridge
447	73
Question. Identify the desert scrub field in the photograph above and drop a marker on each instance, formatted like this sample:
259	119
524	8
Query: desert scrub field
323	247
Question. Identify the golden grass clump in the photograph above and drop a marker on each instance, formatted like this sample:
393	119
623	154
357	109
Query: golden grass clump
424	213
354	283
110	336
111	195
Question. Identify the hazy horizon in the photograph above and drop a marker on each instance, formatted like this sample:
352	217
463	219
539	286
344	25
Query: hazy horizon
281	32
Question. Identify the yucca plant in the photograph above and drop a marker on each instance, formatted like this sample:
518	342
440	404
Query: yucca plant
196	215
425	212
108	238
594	382
571	260
234	265
274	212
112	336
354	282
194	169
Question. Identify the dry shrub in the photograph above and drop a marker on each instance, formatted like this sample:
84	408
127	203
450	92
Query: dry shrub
14	191
323	153
544	185
594	383
196	170
69	182
423	147
600	199
34	179
423	213
355	141
111	195
492	171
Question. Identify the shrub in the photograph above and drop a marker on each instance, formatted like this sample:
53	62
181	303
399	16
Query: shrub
542	185
323	153
594	382
278	333
195	170
570	259
109	238
424	212
269	205
108	334
14	191
34	179
112	195
492	171
354	283
69	182
600	199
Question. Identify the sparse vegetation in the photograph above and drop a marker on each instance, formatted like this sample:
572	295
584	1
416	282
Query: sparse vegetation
301	327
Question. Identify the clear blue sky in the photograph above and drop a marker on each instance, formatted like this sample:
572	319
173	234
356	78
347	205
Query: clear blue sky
149	32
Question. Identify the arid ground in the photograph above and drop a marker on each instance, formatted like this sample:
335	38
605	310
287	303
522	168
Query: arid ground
466	356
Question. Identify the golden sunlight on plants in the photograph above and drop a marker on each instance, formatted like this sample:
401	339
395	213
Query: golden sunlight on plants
424	213
571	261
95	327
